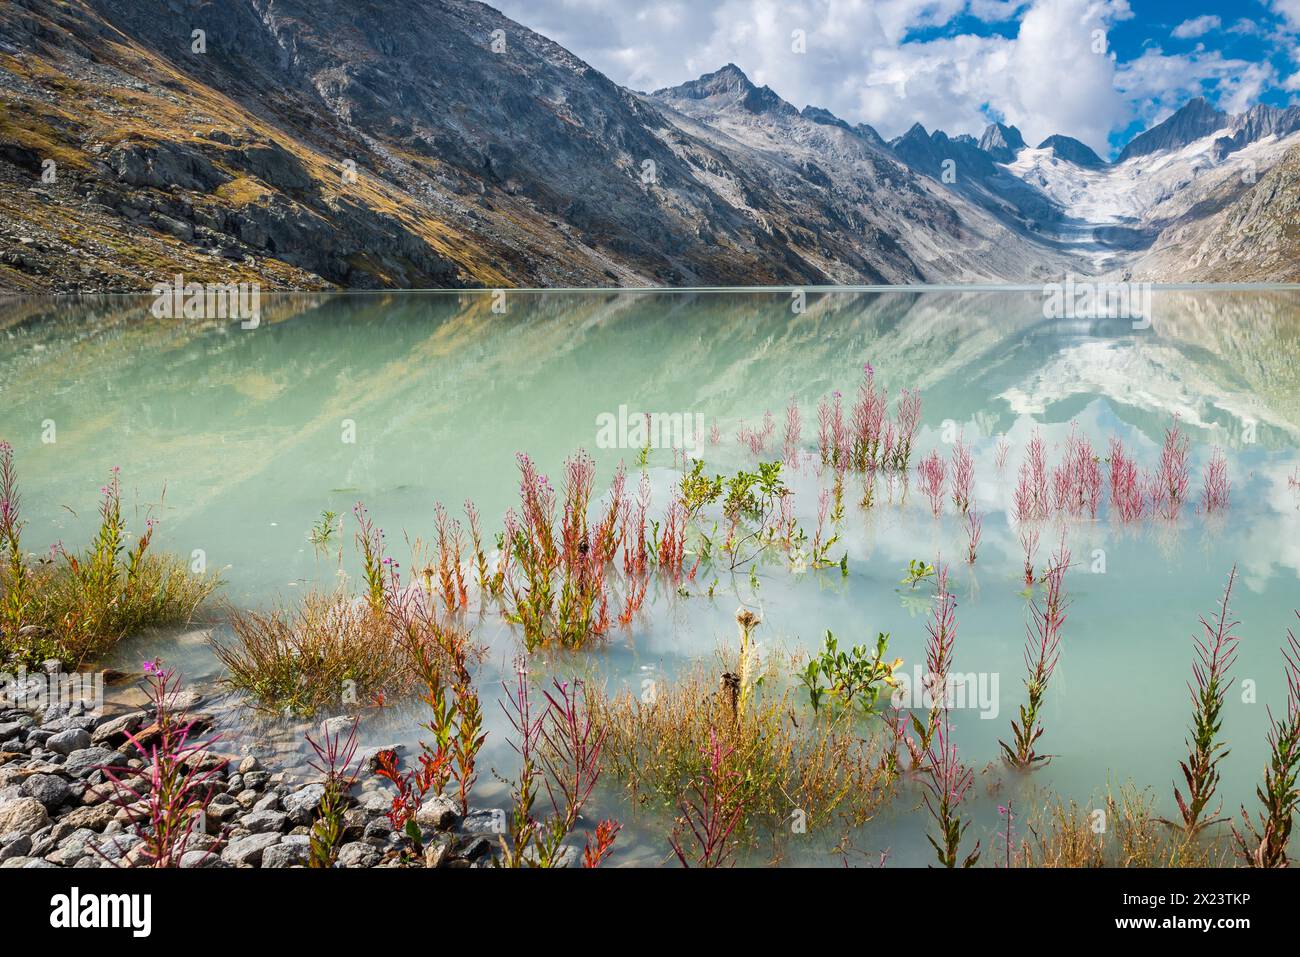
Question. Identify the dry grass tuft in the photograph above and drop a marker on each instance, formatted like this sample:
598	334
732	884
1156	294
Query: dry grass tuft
1122	830
330	650
792	768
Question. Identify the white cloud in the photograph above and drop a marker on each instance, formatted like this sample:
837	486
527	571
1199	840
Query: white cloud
1288	10
1160	83
864	63
1197	27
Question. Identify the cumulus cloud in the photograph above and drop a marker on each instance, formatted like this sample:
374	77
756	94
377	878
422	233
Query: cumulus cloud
1159	83
1046	68
1197	27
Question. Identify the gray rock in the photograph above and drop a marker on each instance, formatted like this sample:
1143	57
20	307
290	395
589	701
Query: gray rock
191	859
24	815
20	846
265	822
248	850
301	804
51	791
73	848
113	732
269	803
484	821
286	855
358	854
439	812
65	742
87	760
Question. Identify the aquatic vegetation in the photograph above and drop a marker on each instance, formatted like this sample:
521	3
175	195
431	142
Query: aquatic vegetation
323	529
1216	488
1216	650
1031	494
325	651
1000	452
853	678
560	753
75	607
790	443
945	783
1077	481
974	528
918	570
908	415
785	759
1264	844
1029	542
412	787
166	799
334	763
1008	836
1042	652
1119	830
963	477
1169	486
562	598
710	810
940	639
933	471
1127	492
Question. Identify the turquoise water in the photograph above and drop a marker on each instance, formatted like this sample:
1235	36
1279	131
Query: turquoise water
237	440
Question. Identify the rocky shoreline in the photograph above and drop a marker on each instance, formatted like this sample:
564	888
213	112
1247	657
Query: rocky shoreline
57	806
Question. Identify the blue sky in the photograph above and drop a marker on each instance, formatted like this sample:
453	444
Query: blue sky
952	64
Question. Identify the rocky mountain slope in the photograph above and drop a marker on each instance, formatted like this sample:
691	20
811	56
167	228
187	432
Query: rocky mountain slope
422	143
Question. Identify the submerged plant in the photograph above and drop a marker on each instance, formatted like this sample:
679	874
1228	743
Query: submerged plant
853	678
974	527
946	783
560	753
76	606
1169	487
933	471
918	570
710	811
1042	652
1216	650
1216	487
1264	844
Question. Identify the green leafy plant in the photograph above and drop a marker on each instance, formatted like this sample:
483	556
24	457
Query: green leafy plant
853	678
323	529
917	572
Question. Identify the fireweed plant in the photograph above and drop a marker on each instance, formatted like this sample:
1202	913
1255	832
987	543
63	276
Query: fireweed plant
1042	652
1216	650
334	762
1264	843
166	800
702	835
945	783
560	754
76	606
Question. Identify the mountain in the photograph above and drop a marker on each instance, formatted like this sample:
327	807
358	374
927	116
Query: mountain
1001	142
437	143
1193	120
1070	149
